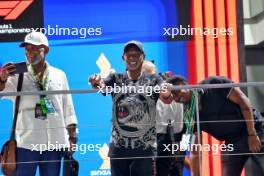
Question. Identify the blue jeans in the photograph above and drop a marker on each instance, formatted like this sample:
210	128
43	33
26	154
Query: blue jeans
27	162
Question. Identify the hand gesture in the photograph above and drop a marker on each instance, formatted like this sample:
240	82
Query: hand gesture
7	70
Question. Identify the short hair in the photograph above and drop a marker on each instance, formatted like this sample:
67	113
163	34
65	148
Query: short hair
177	79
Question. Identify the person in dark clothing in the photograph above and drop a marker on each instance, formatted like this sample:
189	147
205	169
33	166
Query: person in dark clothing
133	138
233	117
170	128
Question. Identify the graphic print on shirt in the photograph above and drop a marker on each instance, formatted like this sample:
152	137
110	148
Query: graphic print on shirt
134	117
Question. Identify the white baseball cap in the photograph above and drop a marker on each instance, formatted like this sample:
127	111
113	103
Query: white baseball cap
35	38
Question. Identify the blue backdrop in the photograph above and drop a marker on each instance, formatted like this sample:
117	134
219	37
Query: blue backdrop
119	21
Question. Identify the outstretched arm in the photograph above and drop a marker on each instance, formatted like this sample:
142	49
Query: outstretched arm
238	97
96	81
165	93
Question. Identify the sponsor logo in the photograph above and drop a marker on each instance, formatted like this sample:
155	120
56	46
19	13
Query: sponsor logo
105	167
104	66
11	9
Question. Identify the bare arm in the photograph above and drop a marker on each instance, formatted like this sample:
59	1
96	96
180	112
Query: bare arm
165	94
72	135
96	81
238	97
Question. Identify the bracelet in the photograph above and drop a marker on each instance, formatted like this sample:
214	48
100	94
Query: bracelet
252	134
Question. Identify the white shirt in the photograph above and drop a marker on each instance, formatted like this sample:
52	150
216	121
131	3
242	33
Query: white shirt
32	132
166	112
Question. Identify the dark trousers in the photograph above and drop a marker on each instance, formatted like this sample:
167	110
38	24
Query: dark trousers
168	163
132	167
27	162
170	166
233	164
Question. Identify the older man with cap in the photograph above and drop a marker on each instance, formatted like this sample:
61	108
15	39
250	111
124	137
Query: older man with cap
46	124
133	139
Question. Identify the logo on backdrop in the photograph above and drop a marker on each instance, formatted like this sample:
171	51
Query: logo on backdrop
104	156
19	17
10	10
104	66
105	167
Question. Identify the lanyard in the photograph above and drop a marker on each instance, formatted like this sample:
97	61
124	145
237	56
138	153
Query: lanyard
46	104
41	85
189	113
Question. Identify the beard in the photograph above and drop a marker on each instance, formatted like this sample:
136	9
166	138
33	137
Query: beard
35	60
